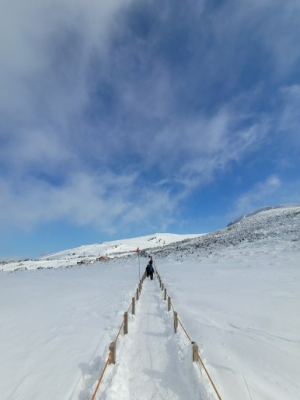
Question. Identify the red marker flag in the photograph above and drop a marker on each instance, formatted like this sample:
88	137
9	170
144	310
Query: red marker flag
137	250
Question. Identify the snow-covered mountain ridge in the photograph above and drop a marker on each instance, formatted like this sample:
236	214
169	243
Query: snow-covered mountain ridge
271	224
275	225
100	251
290	205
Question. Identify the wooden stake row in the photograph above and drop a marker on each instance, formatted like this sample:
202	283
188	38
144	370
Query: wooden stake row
195	353
113	345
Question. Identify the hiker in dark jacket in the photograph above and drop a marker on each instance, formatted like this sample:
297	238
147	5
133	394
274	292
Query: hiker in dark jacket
148	270
151	270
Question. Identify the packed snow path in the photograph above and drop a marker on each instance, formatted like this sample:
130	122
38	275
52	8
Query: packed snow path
152	362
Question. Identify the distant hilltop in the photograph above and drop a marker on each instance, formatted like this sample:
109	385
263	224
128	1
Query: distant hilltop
98	252
267	208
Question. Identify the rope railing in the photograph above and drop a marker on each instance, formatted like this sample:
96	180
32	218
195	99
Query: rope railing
121	326
129	306
111	356
112	349
101	377
176	321
209	377
188	336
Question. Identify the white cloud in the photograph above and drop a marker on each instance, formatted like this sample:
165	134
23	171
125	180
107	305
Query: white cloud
45	49
262	194
271	24
199	148
47	71
106	201
189	156
288	122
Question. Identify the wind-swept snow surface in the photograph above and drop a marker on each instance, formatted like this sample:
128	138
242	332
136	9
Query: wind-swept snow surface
236	291
242	309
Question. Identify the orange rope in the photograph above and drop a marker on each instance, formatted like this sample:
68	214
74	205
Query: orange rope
202	363
109	357
122	324
184	330
171	304
211	381
119	330
100	379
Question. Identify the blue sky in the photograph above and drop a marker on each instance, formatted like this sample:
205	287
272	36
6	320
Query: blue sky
124	118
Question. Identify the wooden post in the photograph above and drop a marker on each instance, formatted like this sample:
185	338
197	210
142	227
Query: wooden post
137	294
165	297
162	287
113	350
125	323
175	321
133	306
195	351
169	303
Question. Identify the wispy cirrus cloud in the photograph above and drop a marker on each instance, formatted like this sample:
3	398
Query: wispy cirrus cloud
260	194
106	202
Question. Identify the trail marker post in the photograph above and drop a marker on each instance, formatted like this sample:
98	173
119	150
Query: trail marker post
112	349
175	321
125	323
195	351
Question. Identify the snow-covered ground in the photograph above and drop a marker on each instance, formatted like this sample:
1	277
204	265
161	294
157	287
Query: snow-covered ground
235	290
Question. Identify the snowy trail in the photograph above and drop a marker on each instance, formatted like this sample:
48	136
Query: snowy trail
152	362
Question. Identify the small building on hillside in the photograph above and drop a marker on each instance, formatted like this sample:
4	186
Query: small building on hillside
103	258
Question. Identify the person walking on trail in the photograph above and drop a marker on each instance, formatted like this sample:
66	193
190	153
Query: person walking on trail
151	269
148	270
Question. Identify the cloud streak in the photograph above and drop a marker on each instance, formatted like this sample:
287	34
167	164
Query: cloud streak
261	193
